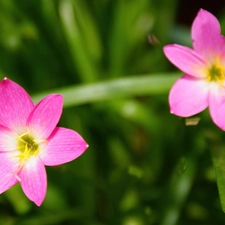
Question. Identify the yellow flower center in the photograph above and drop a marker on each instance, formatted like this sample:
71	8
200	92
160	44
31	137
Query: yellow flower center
27	146
216	72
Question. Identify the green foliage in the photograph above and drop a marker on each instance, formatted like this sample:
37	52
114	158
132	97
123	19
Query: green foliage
144	165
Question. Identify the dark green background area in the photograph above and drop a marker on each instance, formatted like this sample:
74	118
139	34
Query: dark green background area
143	165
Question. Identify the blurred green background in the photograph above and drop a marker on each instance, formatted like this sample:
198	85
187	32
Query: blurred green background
144	165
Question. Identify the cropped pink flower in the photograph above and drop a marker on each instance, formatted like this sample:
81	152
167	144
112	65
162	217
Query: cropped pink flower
29	140
203	82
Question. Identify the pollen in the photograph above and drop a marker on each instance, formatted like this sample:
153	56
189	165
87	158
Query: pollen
216	72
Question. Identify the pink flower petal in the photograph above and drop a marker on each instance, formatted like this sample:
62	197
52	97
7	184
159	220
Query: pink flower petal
8	140
186	60
206	34
64	145
15	106
45	116
188	96
7	171
217	105
34	180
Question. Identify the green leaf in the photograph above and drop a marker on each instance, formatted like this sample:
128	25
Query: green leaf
179	189
118	88
84	64
218	155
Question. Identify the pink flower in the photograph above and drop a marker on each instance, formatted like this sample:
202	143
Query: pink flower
29	140
203	82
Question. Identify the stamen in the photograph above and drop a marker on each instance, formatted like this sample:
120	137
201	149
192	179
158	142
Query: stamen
20	137
216	72
39	141
28	146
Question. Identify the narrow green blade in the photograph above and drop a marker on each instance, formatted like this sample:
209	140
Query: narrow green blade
219	165
114	89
